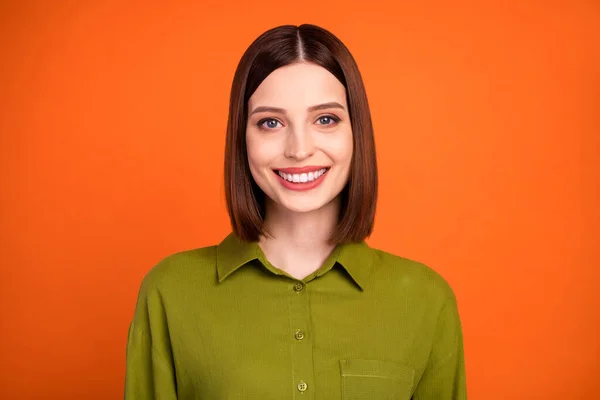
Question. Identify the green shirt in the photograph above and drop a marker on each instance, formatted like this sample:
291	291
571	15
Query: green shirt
221	323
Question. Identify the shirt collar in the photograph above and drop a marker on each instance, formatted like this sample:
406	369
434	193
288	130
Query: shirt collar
233	253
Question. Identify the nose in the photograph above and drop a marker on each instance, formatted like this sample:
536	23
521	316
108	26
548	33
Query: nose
299	144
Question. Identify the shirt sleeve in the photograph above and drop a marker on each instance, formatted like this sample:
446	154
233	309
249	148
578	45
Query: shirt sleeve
149	374
444	376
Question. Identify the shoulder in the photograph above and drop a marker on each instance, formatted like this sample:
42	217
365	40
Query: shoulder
412	276
183	266
165	285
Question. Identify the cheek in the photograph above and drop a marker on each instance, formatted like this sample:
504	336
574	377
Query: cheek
253	152
255	148
341	148
261	152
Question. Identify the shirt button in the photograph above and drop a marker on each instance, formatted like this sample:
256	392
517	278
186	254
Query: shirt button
302	386
299	335
298	287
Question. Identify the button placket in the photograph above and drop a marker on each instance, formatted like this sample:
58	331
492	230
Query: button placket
300	340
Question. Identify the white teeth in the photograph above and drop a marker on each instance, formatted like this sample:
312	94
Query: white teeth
302	178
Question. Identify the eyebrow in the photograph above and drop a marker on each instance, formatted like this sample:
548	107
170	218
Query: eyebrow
332	104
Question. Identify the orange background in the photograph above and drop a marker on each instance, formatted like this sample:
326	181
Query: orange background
112	122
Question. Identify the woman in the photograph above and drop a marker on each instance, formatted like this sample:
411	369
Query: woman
293	304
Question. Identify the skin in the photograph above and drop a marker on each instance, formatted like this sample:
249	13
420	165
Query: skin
298	135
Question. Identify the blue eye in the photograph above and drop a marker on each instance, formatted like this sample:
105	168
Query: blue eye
268	123
328	120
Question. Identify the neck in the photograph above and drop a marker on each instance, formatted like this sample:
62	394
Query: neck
299	242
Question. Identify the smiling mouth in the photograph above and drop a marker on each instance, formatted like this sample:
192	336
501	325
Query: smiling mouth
304	177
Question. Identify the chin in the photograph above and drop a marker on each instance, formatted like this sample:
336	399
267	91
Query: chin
302	208
294	205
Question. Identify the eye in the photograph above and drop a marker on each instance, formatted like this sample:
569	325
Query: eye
268	123
328	120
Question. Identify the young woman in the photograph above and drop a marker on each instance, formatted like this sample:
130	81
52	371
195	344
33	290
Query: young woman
293	304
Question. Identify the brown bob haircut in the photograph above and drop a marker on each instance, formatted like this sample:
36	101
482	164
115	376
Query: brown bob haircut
274	49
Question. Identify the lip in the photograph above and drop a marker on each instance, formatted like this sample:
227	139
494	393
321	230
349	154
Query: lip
301	186
301	170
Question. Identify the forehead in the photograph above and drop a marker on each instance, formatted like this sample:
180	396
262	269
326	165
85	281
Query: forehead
298	86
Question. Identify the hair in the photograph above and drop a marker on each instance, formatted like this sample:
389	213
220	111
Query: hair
275	48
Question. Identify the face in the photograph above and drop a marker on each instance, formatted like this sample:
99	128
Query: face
299	137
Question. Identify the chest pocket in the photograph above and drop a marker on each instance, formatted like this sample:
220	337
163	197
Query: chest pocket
376	380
